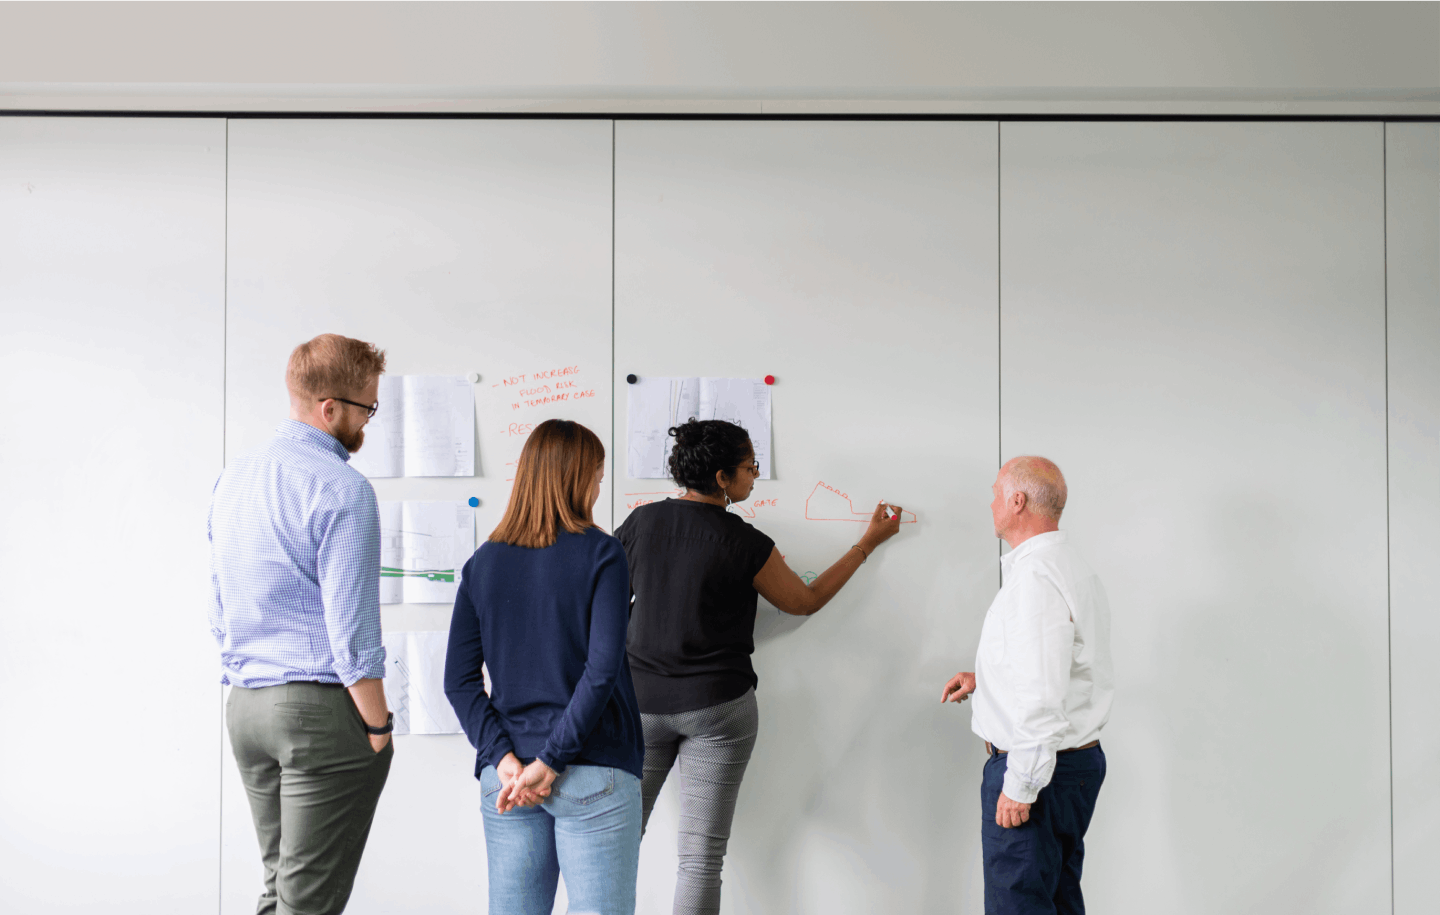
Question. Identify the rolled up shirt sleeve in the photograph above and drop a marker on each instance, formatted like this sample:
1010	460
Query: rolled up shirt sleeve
348	567
215	609
214	612
1039	640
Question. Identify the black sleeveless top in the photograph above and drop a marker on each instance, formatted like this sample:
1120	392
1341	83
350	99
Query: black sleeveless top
692	626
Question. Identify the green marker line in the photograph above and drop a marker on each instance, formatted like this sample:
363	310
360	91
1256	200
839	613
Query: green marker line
427	574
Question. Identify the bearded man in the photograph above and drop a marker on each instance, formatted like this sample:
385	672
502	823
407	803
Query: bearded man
295	609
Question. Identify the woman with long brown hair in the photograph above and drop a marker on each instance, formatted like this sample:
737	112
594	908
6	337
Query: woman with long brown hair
544	605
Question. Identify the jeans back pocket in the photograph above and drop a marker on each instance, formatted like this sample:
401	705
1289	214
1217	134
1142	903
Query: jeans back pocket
489	782
585	784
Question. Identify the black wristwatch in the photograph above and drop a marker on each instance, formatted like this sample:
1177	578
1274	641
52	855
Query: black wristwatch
381	731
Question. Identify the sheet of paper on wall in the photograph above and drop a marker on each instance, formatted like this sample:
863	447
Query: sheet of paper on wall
654	405
423	547
425	427
415	683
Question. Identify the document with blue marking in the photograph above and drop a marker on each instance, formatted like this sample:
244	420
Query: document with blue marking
423	547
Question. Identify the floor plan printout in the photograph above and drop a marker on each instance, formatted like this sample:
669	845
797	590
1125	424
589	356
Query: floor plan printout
415	683
425	427
656	404
423	547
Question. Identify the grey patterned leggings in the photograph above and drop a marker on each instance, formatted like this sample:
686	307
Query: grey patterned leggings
713	747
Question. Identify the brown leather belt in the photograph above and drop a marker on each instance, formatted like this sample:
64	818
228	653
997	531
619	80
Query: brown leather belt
1093	743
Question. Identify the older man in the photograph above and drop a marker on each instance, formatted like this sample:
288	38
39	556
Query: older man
295	608
1043	687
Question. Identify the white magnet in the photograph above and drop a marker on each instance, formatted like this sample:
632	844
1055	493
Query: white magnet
473	377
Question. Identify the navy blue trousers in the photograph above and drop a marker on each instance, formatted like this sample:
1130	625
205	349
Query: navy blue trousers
1035	867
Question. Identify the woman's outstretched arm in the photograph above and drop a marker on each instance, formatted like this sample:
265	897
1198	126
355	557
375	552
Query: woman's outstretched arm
779	584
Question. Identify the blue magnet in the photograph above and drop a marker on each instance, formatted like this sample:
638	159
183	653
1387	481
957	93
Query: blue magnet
474	502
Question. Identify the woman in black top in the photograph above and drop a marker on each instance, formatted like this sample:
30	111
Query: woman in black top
696	571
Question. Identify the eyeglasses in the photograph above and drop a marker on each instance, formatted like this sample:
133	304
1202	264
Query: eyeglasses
368	408
753	467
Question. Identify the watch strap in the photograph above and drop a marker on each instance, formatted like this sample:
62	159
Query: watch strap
386	729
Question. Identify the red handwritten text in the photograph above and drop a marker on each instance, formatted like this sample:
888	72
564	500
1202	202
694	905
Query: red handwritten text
548	398
537	377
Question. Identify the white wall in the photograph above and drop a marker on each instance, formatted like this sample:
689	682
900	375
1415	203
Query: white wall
1193	327
996	57
1412	169
457	246
1190	318
112	260
856	263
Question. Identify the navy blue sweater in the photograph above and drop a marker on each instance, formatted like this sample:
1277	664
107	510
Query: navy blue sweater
550	626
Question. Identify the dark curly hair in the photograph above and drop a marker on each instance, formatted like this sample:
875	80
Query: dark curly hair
703	446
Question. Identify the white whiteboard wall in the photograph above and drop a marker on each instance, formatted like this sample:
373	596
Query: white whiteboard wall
856	263
458	246
112	259
1412	167
1194	328
1202	303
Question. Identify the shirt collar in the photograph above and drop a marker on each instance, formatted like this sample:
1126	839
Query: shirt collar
304	432
1030	546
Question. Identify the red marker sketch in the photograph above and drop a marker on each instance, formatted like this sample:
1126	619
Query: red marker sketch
747	509
636	499
826	503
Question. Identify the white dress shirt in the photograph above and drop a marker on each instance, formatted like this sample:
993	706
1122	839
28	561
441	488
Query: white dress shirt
1043	677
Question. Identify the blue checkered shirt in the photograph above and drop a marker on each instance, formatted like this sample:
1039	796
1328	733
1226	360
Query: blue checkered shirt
295	564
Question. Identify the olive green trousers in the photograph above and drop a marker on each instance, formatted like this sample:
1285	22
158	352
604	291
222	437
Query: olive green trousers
313	781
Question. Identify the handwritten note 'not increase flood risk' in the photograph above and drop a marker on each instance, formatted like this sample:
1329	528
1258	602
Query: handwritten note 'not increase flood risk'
656	404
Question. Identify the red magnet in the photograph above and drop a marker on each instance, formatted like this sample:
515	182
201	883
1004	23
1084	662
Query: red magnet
769	379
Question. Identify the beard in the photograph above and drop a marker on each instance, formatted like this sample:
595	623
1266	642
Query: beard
352	439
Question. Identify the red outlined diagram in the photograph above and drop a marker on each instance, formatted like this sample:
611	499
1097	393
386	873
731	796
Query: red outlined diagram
826	503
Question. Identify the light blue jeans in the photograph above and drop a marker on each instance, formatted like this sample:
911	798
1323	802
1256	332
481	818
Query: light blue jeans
587	829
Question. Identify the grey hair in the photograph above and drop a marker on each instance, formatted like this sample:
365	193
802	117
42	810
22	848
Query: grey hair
1040	480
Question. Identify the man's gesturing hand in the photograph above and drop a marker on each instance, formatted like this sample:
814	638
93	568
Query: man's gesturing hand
1010	813
960	686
